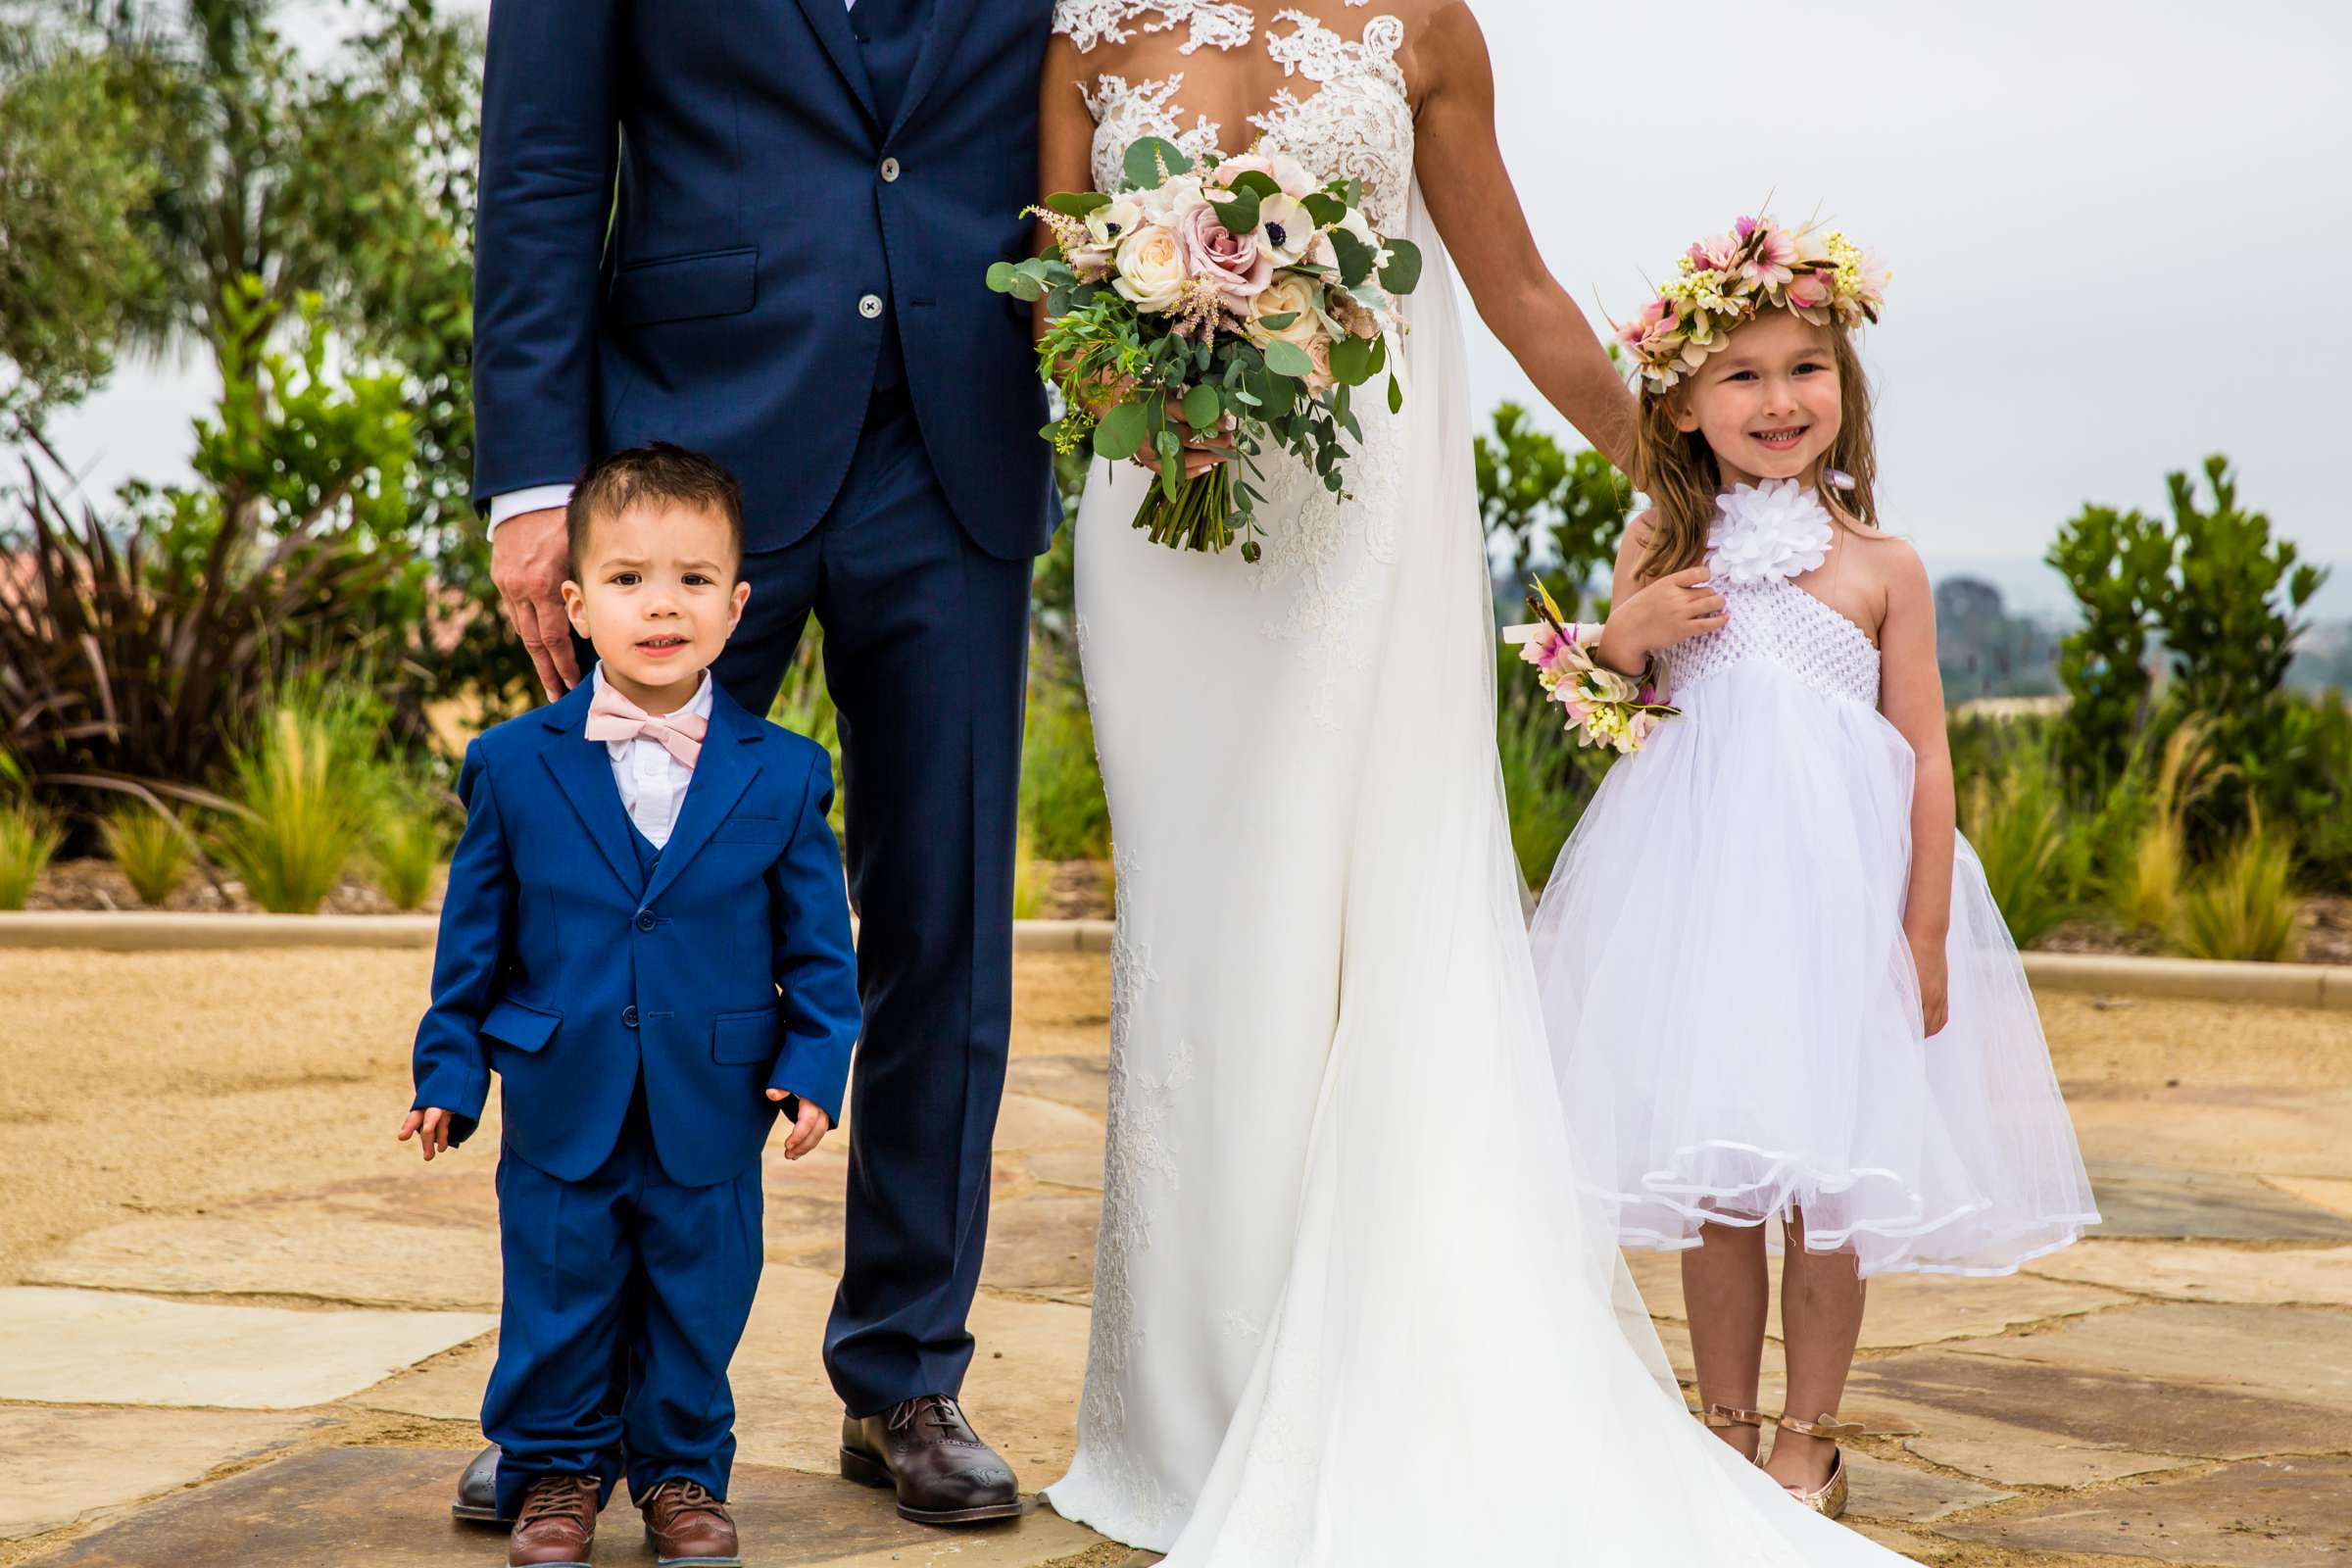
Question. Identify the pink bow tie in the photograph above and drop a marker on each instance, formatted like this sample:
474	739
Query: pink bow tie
613	717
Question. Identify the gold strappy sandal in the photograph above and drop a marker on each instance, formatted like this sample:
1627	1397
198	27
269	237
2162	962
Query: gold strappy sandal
1723	1417
1829	1499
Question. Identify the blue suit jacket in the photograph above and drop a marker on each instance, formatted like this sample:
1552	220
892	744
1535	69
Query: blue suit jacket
761	198
568	971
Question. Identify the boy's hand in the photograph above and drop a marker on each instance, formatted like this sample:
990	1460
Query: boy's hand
1657	615
809	1128
432	1125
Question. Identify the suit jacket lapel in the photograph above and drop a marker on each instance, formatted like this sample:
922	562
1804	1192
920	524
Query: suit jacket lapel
724	771
831	20
583	769
948	19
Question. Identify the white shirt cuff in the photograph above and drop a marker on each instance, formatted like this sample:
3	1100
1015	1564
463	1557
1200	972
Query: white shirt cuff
536	499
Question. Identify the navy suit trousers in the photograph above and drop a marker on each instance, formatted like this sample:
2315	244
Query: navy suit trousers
624	1269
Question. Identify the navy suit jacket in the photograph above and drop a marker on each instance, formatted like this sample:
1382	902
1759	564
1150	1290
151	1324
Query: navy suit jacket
573	974
762	197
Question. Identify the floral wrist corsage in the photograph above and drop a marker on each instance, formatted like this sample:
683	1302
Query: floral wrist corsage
1604	707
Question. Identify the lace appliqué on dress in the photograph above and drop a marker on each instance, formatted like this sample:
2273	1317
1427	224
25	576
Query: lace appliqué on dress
1139	1170
1125	112
1215	24
1358	122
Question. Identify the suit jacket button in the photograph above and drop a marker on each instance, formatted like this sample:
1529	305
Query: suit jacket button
628	1016
870	306
889	171
646	921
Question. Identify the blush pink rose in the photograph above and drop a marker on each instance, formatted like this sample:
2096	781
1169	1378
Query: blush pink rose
1809	291
1230	264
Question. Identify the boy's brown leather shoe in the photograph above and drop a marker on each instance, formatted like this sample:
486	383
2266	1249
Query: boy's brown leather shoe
689	1527
556	1527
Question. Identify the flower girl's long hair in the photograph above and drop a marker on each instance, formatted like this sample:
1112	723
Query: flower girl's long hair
1677	472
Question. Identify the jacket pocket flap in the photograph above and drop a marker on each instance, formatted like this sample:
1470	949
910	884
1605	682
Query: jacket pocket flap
524	1028
752	830
742	1039
680	288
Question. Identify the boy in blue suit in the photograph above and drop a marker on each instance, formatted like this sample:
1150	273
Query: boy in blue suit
647	934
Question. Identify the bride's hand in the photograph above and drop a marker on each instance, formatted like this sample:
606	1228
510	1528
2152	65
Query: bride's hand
1656	616
1201	453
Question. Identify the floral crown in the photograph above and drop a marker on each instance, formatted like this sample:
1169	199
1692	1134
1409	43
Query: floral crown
1724	279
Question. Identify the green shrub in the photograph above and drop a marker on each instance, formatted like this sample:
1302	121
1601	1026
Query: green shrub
1061	788
308	790
2245	906
406	847
28	837
1028	878
1544	778
2147	885
805	707
2018	821
151	846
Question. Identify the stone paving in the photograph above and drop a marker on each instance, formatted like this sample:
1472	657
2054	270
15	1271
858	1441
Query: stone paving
279	1362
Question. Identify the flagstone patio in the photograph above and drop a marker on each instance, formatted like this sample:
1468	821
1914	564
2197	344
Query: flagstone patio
239	1324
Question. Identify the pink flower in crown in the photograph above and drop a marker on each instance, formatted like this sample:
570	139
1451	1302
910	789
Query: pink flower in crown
1770	254
1653	333
1230	264
1809	295
1718	252
1869	287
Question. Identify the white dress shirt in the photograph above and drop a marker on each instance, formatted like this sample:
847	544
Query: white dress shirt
653	783
540	497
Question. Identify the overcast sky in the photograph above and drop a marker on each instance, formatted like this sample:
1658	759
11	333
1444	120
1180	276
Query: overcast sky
2119	235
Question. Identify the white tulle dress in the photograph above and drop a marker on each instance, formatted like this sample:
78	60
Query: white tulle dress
1730	997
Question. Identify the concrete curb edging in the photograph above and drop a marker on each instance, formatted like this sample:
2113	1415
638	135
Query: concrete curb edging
2303	985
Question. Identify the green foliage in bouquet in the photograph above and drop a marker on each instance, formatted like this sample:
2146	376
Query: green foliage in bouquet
1173	376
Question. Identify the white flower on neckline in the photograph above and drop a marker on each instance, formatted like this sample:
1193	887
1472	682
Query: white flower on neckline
1776	529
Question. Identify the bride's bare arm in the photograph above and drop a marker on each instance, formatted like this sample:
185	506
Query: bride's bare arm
1065	135
1478	213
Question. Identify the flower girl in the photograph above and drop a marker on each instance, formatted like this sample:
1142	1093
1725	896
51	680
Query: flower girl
1776	982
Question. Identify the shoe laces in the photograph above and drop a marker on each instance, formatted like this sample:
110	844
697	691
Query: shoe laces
558	1497
673	1499
941	1410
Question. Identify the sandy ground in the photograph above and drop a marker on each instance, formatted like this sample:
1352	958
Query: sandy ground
151	1083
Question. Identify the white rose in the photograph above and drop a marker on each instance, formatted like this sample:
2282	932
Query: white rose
1170	200
1288	295
1151	273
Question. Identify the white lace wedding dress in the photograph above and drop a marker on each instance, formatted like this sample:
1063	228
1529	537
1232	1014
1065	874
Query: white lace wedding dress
1349	1305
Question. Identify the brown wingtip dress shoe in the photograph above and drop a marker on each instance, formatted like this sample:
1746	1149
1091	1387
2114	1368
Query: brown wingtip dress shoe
557	1526
926	1451
689	1527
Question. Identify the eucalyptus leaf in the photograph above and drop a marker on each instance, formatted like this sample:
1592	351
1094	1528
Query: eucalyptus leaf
1000	276
1272	323
1324	210
1403	272
1202	406
1351	362
1289	359
1354	256
1395	396
1121	433
1262	186
1239	211
1151	160
1076	203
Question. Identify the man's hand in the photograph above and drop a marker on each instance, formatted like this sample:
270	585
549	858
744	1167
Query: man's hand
1659	616
528	562
431	1125
809	1128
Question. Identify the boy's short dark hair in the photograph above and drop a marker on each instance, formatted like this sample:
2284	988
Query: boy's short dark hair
657	472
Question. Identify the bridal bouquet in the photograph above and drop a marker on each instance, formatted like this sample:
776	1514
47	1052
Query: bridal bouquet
1604	707
1240	298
